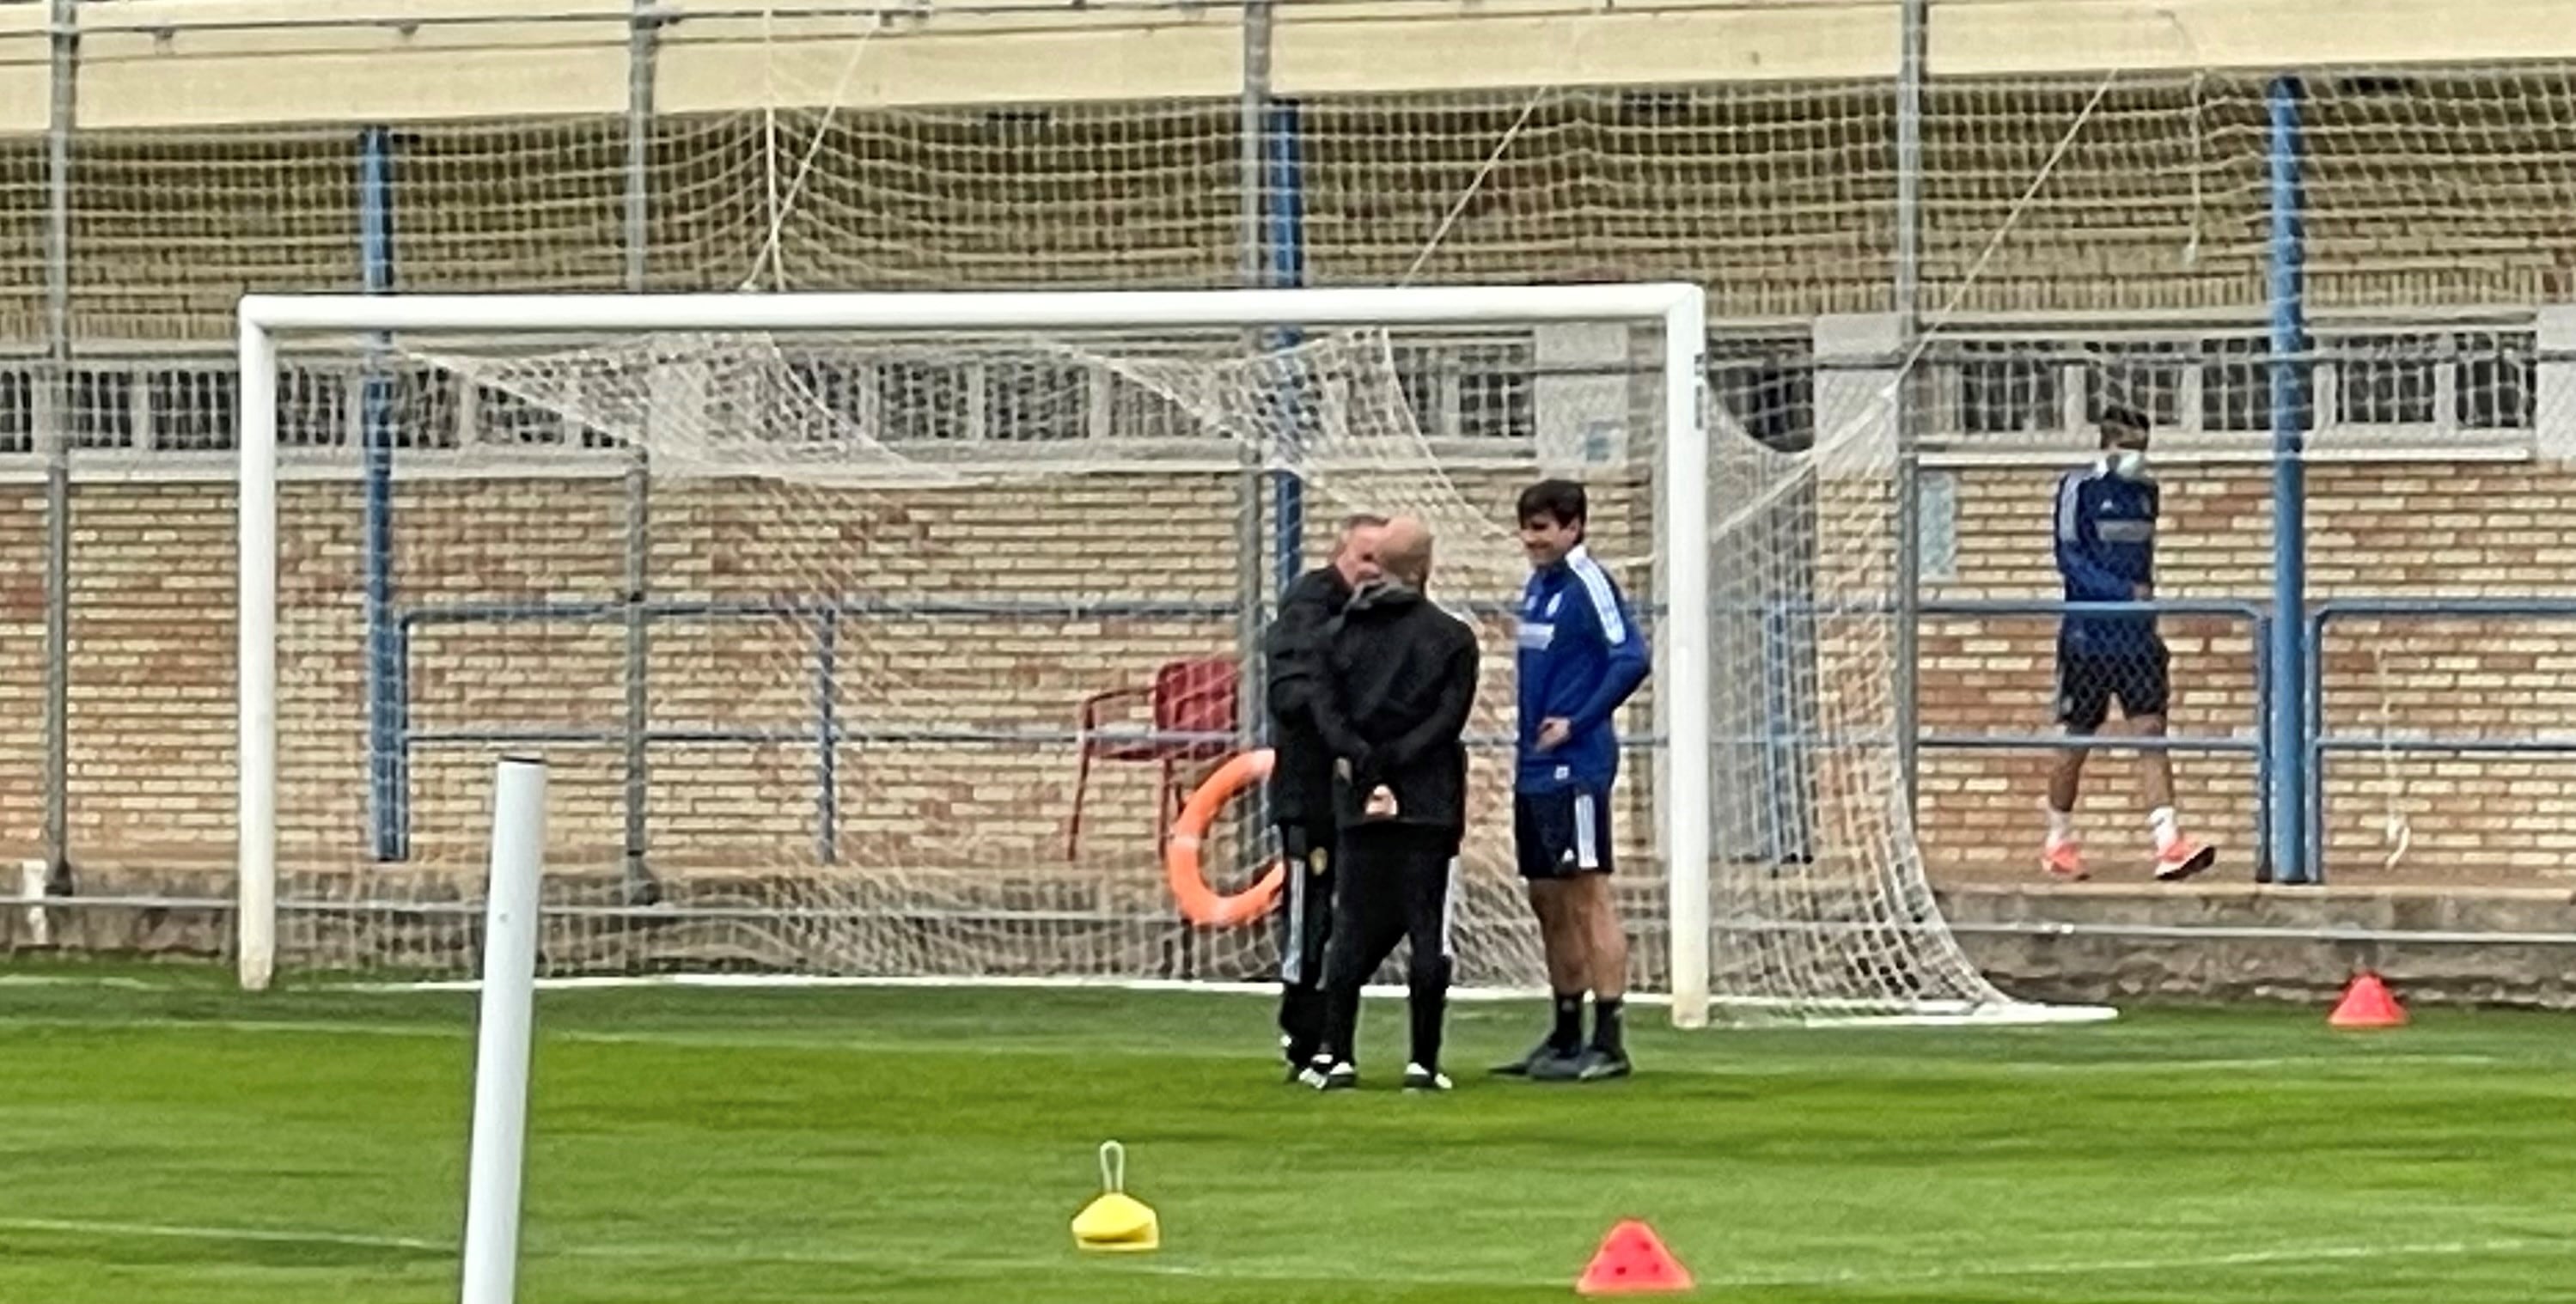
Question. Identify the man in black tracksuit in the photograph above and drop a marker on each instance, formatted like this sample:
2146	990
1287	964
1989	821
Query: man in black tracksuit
1301	775
1400	678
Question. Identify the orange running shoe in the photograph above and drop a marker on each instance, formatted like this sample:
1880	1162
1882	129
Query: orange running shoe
2063	859
2183	858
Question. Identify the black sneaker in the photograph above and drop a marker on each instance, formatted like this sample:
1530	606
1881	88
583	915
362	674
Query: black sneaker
1418	1078
1559	1068
1340	1077
1597	1064
1535	1064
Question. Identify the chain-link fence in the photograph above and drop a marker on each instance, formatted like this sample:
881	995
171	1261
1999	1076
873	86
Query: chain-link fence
2086	239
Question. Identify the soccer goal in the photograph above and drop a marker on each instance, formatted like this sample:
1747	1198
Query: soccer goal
881	636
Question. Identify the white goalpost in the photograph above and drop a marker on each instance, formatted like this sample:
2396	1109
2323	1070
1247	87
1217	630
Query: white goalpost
797	593
505	1030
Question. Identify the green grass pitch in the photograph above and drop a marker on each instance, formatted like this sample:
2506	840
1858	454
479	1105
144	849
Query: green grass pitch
164	1139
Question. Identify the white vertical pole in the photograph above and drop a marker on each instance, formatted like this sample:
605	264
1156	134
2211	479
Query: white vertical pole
501	1051
255	571
1683	692
2554	407
32	877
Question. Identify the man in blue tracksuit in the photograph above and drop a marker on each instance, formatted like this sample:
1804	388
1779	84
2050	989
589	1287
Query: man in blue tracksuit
2106	550
1581	656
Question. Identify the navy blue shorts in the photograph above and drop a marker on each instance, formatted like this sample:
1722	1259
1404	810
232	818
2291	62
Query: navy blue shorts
2087	681
1561	834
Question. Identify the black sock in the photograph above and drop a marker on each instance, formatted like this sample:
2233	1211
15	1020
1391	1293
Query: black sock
1301	1017
1568	1036
1429	1002
1606	1032
1341	1023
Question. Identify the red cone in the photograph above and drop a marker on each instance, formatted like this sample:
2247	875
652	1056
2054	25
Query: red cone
2367	1003
1632	1260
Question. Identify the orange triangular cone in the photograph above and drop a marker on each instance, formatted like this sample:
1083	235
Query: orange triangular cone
1632	1260
2367	1003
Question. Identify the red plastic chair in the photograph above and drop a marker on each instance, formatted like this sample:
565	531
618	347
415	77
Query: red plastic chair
1187	697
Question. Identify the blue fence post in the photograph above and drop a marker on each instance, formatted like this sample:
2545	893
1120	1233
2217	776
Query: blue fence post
2288	799
1283	228
827	734
2313	688
2261	635
388	756
1784	832
399	659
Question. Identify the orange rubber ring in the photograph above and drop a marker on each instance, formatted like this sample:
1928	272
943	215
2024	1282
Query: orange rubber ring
1201	904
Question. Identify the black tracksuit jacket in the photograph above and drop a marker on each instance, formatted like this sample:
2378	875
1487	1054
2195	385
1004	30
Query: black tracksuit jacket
1301	772
1400	679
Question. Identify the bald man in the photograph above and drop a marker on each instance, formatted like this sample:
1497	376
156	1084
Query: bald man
1399	679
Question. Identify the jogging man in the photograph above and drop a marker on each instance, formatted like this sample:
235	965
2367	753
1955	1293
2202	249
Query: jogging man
2106	550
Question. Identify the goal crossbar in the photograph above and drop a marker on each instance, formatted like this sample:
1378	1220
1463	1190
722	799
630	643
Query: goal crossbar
1683	651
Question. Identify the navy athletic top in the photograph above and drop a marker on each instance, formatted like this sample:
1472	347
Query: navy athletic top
1581	655
2106	548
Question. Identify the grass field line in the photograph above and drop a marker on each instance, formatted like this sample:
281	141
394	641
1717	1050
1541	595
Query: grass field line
868	1046
2251	1062
182	1232
901	1259
112	982
2172	1264
708	1041
1791	1278
1857	1013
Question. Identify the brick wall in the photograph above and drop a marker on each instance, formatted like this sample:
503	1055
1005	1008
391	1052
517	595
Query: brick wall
154	665
152	703
2406	531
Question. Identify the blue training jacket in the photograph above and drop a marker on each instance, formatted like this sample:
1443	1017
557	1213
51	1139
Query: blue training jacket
2106	548
1581	655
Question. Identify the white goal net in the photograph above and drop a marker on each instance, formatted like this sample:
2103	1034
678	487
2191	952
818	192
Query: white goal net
884	637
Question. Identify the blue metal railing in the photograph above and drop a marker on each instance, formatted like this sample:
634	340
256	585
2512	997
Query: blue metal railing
1789	727
828	731
2258	620
2317	742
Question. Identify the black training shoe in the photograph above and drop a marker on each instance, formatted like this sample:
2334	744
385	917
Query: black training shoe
1340	1077
1531	1065
1598	1064
1558	1068
1418	1078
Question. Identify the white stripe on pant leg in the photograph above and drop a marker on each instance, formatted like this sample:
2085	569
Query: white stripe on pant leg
1449	914
1587	848
1292	966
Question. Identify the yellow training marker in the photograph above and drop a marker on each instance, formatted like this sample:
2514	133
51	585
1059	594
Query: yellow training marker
1116	1221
